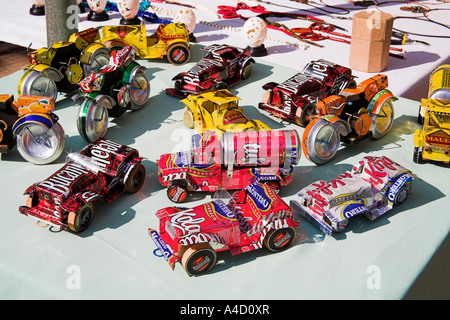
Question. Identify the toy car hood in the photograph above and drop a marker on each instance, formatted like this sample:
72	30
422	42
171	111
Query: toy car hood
366	179
299	84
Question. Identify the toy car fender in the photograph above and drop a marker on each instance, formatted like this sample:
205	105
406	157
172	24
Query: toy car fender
77	201
47	120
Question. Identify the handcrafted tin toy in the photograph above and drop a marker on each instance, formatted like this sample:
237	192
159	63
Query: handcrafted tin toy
372	187
255	217
101	171
221	67
294	99
29	123
233	162
62	66
432	142
351	116
115	88
217	111
170	41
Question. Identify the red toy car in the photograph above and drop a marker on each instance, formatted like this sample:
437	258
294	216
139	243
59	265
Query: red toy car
102	170
255	216
294	98
233	162
221	67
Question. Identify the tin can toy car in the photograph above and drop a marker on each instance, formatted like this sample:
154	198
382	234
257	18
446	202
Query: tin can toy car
351	116
294	99
62	66
372	187
432	142
29	123
115	88
218	111
232	162
255	217
221	67
102	170
170	41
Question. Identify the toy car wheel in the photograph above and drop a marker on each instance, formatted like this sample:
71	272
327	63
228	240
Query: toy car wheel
246	71
401	195
382	122
198	259
417	157
341	226
178	54
279	239
188	118
419	116
177	193
322	142
99	58
34	83
38	144
80	220
92	121
135	179
139	90
303	115
275	185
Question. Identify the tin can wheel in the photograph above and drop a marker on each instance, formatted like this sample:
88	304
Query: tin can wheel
198	259
92	121
382	122
81	219
34	83
135	179
178	54
139	90
322	142
279	239
38	144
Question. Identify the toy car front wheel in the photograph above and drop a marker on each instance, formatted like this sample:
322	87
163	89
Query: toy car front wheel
417	157
135	179
33	83
198	259
177	193
80	220
188	118
303	115
246	71
279	239
92	121
139	90
178	54
322	142
38	144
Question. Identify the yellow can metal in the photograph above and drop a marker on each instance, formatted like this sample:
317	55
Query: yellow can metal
440	84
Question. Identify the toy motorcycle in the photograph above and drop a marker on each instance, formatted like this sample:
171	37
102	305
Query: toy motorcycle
117	87
60	67
29	122
350	116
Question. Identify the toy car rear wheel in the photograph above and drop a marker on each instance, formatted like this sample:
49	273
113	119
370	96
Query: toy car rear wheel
177	192
39	145
198	259
98	59
80	220
178	54
279	239
188	118
135	178
401	195
382	122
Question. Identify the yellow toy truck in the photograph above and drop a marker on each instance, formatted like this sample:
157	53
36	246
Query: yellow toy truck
218	111
432	143
170	40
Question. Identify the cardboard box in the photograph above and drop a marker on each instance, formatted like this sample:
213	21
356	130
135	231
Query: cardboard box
371	38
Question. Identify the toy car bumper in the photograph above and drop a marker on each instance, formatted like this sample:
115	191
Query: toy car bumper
41	217
165	249
297	207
